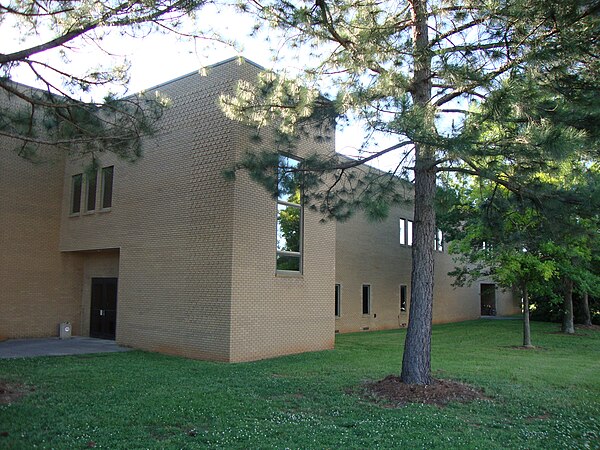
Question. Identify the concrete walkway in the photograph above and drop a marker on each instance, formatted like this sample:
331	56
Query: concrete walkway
26	348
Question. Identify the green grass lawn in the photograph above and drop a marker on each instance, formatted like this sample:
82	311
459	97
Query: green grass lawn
547	398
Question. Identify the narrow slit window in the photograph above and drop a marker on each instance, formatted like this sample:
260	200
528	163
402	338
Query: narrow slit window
338	293
403	297
107	186
402	231
439	241
76	182
91	178
366	299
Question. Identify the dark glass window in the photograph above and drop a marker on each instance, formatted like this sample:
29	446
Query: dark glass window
366	299
91	190
76	181
289	216
338	293
107	186
403	294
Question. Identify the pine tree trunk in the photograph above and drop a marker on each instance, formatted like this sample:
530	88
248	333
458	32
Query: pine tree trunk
585	308
416	360
526	326
567	325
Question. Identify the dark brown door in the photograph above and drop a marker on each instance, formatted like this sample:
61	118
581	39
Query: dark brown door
488	299
103	319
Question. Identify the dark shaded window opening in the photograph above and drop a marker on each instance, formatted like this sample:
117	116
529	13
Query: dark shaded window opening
366	299
91	190
107	186
403	295
76	182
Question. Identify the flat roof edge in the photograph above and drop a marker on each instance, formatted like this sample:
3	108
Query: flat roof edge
240	59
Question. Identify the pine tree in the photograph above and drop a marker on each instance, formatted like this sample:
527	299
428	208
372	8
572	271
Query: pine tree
65	112
430	73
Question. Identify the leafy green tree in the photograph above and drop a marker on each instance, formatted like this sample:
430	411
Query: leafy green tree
498	236
545	248
65	112
428	74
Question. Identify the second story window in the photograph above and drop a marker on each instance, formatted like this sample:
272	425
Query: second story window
439	241
107	186
76	184
91	178
289	216
406	232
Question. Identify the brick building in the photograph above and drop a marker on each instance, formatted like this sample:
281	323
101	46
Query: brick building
166	255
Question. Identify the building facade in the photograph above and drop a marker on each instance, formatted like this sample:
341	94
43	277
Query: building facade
165	254
373	271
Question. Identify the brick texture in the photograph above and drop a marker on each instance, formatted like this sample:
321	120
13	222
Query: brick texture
39	286
194	253
370	253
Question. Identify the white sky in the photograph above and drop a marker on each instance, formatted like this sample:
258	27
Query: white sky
158	58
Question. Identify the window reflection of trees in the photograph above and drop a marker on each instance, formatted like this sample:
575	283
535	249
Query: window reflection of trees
289	216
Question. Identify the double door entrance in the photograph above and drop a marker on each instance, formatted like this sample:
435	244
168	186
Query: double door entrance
103	318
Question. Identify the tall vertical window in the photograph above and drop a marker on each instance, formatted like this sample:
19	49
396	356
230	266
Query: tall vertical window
406	232
338	297
403	297
402	231
439	241
107	186
366	299
76	182
91	178
289	216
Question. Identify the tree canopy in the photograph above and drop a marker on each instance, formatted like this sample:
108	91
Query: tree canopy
65	111
493	89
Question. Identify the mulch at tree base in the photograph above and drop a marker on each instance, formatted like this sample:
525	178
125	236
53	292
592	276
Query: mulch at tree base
393	392
522	347
588	327
10	392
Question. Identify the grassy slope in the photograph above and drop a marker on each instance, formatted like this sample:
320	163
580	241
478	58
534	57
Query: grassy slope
548	398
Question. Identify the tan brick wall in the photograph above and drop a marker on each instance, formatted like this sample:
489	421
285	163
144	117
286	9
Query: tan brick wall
189	241
171	218
370	253
39	286
273	313
194	253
